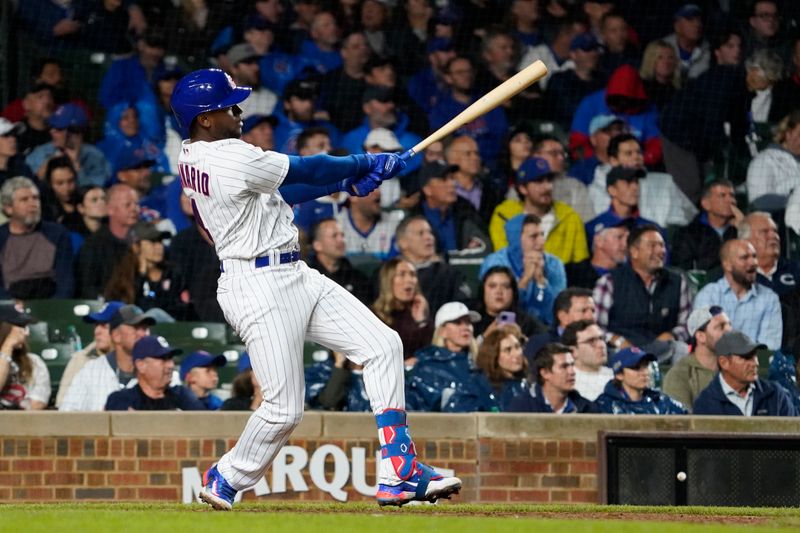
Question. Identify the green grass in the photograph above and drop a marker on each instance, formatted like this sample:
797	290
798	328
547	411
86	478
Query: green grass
367	517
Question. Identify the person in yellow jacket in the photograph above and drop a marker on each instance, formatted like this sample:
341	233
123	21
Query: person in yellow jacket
566	236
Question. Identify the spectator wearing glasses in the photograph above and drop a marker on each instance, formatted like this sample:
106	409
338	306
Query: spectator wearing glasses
737	390
689	376
67	127
764	28
588	343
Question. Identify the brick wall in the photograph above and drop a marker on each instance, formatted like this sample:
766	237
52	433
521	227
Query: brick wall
139	456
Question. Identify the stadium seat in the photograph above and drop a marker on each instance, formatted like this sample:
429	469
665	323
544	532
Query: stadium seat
198	335
470	268
365	263
63	313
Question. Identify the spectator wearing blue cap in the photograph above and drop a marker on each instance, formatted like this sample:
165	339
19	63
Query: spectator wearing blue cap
246	394
199	374
428	86
100	346
569	86
134	167
553	390
101	376
540	275
631	392
563	228
152	358
687	41
259	130
67	127
602	129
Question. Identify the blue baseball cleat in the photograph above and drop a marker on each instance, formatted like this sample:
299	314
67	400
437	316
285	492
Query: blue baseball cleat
216	491
423	485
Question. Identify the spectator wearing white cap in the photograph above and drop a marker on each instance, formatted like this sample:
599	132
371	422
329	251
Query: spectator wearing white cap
445	377
11	162
690	375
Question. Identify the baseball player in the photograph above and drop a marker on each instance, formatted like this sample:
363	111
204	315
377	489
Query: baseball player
240	196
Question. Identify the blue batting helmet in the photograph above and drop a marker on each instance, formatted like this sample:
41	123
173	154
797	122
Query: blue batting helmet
204	90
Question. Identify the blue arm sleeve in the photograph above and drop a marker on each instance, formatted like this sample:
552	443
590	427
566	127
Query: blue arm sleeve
299	193
325	170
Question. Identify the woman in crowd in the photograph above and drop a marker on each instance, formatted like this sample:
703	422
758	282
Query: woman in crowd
660	72
59	201
518	148
144	278
776	169
445	377
501	360
24	378
629	393
92	208
498	303
402	306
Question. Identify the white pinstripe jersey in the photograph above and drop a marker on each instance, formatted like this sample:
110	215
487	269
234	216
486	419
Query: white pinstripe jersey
233	186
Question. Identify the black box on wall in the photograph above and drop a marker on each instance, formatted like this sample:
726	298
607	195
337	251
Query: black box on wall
699	469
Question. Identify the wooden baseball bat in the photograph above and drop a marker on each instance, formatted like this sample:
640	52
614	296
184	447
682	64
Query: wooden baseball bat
506	90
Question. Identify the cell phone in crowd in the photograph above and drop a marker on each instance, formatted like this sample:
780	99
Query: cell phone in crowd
507	317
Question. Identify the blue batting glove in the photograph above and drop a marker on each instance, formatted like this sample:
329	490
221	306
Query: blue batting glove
386	166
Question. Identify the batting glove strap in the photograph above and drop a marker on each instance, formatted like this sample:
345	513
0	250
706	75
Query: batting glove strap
391	417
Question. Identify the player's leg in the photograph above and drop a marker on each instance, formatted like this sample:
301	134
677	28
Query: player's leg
342	323
269	310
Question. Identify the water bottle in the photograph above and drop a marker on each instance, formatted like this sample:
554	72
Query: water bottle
74	339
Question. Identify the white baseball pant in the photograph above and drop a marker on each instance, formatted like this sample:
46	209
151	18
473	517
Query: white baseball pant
275	309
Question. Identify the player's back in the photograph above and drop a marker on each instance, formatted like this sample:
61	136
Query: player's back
233	186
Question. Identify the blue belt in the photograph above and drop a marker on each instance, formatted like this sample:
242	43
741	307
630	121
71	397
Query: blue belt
263	261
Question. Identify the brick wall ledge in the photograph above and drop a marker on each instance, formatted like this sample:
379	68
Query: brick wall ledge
362	425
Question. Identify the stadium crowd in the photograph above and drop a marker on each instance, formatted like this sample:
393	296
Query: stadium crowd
619	238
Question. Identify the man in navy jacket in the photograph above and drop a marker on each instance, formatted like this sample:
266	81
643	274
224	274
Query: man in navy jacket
737	389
